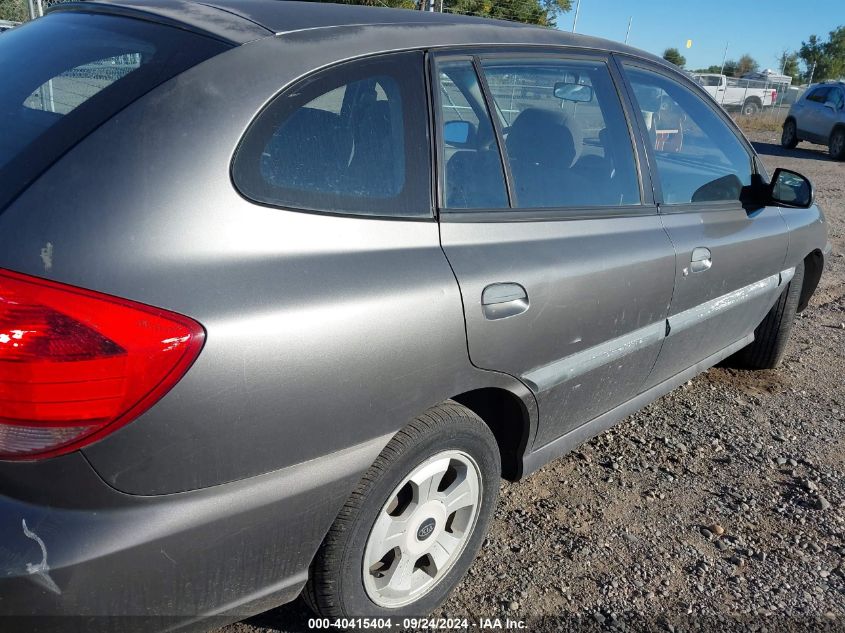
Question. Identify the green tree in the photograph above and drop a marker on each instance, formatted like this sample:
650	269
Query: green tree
673	55
745	65
542	12
730	68
824	60
788	65
394	4
15	10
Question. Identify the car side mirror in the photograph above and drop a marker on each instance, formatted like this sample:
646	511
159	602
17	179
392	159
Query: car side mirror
790	189
830	104
458	133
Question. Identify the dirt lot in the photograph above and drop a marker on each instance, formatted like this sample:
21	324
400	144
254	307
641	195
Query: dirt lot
722	505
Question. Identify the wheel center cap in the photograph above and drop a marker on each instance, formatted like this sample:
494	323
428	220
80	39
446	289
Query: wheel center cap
426	525
426	529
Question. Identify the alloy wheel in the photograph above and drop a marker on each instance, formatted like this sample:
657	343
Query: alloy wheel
422	529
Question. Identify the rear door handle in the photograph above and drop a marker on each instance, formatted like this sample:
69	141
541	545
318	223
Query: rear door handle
701	259
503	300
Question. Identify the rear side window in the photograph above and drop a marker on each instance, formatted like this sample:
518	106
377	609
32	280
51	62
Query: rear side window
350	140
566	138
819	95
66	73
708	80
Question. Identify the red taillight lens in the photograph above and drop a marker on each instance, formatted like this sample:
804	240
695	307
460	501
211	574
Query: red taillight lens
75	365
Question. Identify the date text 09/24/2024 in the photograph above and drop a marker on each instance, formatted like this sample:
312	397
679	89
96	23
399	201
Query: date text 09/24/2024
416	623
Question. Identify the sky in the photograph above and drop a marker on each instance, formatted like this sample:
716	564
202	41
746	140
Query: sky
762	28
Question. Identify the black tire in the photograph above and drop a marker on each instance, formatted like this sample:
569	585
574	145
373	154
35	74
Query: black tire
789	136
836	145
750	107
335	585
772	335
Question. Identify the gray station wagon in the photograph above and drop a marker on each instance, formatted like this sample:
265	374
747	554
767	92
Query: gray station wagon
287	288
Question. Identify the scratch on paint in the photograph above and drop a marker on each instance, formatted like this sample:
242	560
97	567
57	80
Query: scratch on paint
168	557
47	256
42	569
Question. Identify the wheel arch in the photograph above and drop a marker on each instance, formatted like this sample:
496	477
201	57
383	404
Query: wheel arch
813	266
508	417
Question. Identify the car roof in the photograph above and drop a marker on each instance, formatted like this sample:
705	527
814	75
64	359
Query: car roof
242	21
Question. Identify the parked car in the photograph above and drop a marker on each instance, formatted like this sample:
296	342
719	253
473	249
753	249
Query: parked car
747	95
283	300
819	117
5	25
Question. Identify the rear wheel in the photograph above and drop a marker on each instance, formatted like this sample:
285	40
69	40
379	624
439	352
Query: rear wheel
837	144
772	335
789	136
413	526
750	107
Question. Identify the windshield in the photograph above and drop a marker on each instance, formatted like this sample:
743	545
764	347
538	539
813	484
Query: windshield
63	75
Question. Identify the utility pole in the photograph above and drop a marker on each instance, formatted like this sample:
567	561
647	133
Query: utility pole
724	58
577	9
628	32
812	72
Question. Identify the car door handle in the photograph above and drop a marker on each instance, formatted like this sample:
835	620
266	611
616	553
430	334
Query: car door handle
701	259
503	300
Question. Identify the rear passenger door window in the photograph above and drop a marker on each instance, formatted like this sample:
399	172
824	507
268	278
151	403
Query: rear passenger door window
699	158
565	135
349	140
472	175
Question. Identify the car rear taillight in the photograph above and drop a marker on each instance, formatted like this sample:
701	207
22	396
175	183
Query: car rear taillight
75	365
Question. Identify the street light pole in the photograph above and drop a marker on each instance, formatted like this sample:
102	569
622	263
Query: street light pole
724	58
628	32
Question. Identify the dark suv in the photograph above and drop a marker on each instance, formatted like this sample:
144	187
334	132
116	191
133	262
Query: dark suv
286	289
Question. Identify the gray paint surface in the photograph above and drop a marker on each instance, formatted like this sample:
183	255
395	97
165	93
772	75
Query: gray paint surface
326	334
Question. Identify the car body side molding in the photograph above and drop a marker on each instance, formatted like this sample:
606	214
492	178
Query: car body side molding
565	443
548	376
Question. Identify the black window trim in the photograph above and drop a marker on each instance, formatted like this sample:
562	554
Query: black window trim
434	60
684	207
646	207
410	166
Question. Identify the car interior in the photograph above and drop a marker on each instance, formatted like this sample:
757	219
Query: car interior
561	149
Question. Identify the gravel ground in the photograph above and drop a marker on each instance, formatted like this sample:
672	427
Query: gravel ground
720	506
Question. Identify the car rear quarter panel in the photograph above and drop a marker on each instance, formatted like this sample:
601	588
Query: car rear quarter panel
323	331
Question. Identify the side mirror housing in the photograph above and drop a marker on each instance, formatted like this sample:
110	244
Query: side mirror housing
790	189
830	104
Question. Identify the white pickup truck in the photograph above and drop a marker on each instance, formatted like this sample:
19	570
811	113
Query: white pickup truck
748	95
